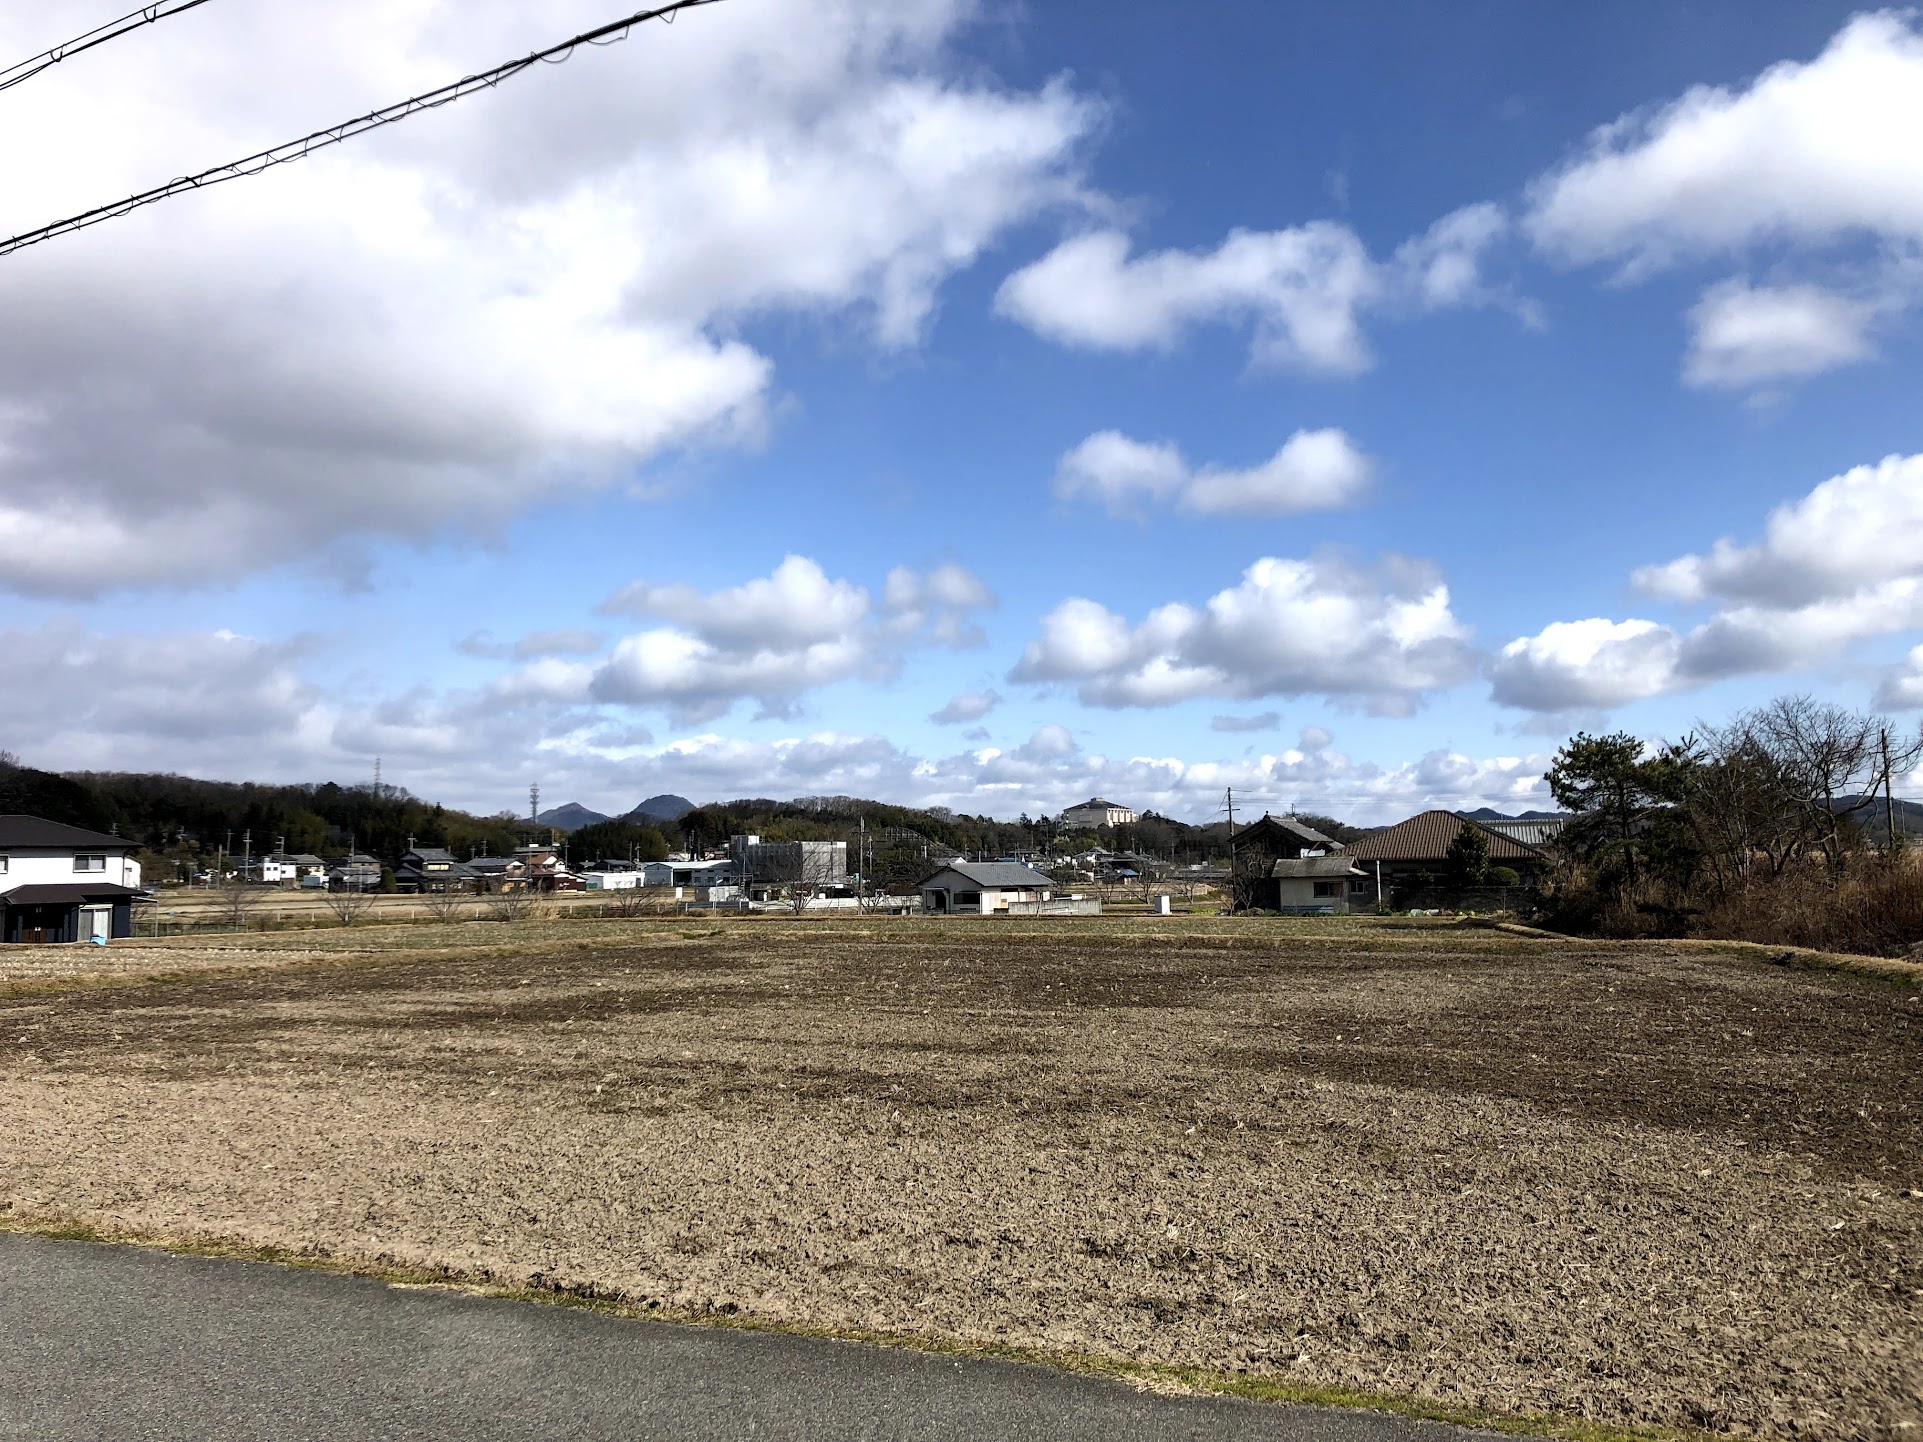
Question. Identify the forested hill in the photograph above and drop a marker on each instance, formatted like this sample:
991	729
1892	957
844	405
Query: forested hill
180	815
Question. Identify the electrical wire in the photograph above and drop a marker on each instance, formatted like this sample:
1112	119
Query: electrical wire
609	34
99	35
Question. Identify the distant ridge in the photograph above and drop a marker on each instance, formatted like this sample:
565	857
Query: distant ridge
571	817
1489	813
667	807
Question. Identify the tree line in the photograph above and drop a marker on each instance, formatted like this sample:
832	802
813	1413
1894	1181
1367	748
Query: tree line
1782	820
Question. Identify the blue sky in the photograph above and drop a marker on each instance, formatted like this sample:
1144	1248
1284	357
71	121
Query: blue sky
964	404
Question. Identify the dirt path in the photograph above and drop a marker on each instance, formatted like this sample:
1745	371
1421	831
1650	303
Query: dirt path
1615	1184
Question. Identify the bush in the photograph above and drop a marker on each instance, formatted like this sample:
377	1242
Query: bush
1502	876
1875	910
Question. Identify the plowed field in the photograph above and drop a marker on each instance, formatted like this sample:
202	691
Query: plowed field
1632	1184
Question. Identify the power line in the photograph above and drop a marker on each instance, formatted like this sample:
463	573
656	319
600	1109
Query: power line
100	35
292	150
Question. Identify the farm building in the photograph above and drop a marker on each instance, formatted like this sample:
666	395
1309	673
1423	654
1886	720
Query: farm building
984	887
63	883
1313	886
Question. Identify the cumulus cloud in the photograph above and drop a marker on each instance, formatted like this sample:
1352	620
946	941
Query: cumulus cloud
1840	564
1862	526
1742	335
1301	290
447	322
1381	638
1313	470
1902	688
968	706
1810	152
1810	156
769	640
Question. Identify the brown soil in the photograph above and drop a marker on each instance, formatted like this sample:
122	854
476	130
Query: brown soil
1626	1183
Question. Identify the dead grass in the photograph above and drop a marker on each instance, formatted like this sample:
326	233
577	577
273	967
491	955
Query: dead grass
1496	1176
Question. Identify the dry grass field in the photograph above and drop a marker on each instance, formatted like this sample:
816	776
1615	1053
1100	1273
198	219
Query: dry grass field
1643	1185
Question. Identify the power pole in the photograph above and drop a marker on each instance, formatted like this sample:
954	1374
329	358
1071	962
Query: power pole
1889	803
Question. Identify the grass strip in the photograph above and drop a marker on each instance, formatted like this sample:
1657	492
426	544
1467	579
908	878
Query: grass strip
1165	1377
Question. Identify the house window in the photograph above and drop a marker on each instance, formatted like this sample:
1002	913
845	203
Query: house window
3	865
1360	886
90	863
437	866
968	898
1325	888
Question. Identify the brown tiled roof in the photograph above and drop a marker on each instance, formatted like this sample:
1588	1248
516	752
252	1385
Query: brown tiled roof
1427	837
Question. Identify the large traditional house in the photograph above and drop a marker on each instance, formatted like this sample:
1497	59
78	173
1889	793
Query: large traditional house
1094	813
1420	846
432	868
62	883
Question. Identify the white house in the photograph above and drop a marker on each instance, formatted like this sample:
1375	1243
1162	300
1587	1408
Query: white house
1096	812
983	888
63	883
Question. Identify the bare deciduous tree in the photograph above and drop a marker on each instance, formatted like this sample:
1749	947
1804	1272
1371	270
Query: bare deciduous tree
237	899
511	905
348	905
444	906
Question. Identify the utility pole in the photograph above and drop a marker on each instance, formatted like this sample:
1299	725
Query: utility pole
1228	798
1889	803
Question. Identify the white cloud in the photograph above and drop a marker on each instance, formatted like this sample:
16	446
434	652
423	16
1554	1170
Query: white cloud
940	602
1302	290
1586	665
445	323
968	706
1842	563
1741	335
1809	157
769	640
1863	526
1313	470
1443	265
1809	152
1902	688
1381	638
1266	721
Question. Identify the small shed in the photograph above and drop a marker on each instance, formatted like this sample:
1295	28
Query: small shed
1314	886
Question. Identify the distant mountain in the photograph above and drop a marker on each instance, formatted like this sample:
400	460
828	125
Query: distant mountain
1489	813
662	808
571	817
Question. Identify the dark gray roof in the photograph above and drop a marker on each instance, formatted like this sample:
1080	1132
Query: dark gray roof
1097	801
1314	866
1302	831
429	853
34	831
69	892
998	874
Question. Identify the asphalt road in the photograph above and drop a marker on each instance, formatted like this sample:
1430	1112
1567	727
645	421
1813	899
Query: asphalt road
123	1344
